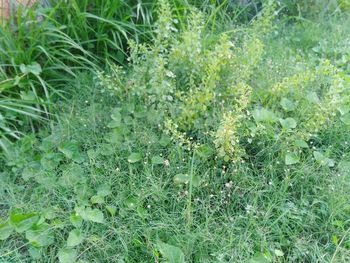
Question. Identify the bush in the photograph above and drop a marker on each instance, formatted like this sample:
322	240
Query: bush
202	91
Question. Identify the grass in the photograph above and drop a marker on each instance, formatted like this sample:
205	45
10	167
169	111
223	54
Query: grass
134	169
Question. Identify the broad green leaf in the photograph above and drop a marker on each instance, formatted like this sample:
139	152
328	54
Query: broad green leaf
171	254
114	124
35	252
323	160
23	222
264	115
90	214
335	240
40	235
287	104
28	95
76	220
51	160
291	158
106	149
185	179
49	213
71	151
345	119
68	149
104	190
164	140
142	212
75	237
131	202
83	193
318	156
181	179
204	151
134	157
128	120
47	179
33	68
330	162
130	107
313	97
111	209
279	253
344	167
5	230
344	109
157	160
30	171
97	199
260	258
92	153
301	144
72	175
116	114
67	255
288	123
115	137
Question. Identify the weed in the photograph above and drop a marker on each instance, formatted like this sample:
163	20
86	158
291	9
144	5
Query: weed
207	147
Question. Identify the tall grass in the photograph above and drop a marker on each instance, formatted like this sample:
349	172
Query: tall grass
43	48
104	27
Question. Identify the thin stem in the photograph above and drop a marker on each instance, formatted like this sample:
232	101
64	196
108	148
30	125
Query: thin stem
189	201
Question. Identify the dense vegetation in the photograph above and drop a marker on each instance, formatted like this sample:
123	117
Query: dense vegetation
176	131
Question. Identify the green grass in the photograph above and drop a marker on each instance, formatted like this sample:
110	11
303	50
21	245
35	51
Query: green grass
148	163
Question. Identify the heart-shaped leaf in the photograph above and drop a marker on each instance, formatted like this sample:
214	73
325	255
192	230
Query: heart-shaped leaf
313	97
260	258
264	115
345	119
97	199
185	179
40	235
76	220
204	151
323	160
344	109
288	123
71	151
90	214
33	68
67	255
23	222
291	158
301	144
5	230
134	157
287	104
111	209
116	116
75	237
157	160
279	253
72	175
171	253
131	202
104	190
164	140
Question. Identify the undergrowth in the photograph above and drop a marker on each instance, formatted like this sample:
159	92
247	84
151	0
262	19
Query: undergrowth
206	147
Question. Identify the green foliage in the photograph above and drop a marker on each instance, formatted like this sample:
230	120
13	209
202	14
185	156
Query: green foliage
171	253
207	147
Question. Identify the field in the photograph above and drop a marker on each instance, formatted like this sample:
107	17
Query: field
175	131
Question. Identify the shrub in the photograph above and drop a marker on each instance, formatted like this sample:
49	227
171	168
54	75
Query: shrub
202	90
